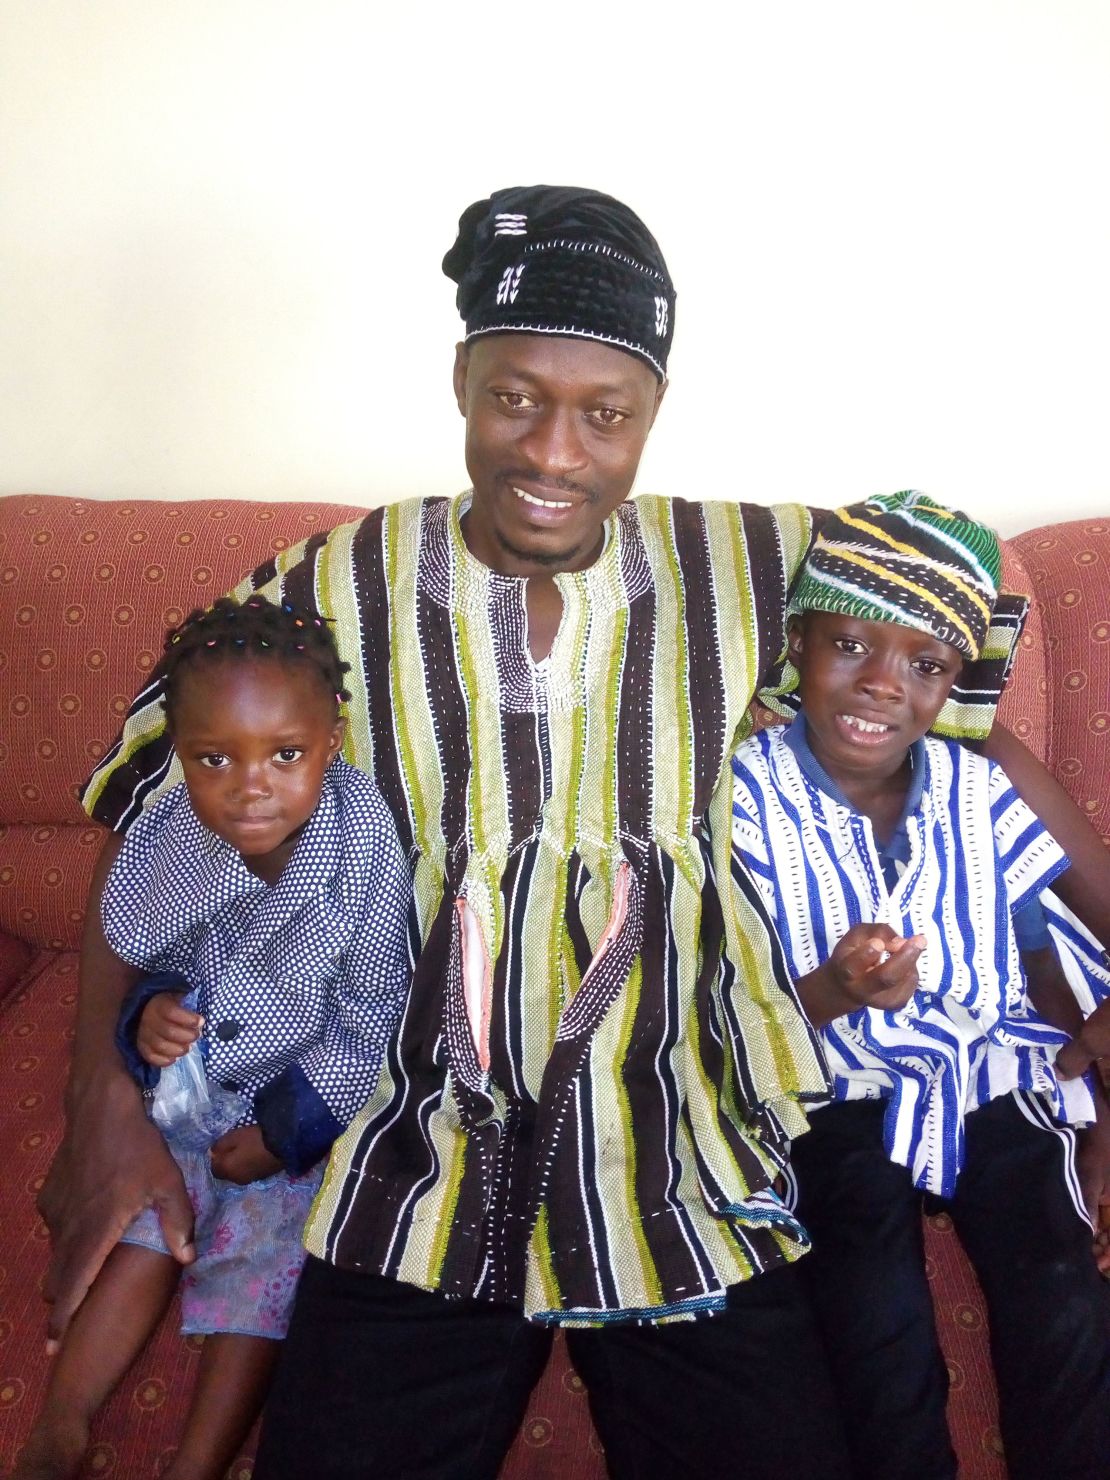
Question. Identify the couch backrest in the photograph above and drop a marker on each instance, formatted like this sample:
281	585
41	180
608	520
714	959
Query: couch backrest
1068	566
1024	706
87	591
88	588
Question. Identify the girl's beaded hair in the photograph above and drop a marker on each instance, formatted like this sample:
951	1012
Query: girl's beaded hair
253	628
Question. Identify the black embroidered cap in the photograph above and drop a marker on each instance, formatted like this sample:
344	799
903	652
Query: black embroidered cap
554	259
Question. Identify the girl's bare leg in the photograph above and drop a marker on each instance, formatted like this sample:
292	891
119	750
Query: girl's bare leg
108	1332
231	1386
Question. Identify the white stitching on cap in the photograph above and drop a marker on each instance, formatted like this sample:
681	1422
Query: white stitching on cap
569	333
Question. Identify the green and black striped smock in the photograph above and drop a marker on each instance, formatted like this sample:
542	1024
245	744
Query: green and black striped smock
601	1059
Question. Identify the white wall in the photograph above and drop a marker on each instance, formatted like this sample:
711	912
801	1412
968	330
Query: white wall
221	224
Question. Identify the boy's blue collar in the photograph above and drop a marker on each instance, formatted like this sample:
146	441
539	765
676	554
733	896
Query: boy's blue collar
796	738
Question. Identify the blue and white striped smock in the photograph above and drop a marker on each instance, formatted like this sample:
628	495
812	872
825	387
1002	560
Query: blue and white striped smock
967	856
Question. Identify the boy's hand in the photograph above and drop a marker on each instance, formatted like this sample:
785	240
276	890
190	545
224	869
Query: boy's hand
241	1156
1090	1043
870	966
167	1030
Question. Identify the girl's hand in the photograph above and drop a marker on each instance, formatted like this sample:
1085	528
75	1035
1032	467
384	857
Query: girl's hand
870	966
241	1156
167	1030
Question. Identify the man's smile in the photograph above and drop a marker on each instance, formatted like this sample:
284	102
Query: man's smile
542	503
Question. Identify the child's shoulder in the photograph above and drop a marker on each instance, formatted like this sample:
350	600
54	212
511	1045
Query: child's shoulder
760	750
952	758
761	742
761	764
351	786
170	814
358	802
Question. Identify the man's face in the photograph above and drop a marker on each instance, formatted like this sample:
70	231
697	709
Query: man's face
554	432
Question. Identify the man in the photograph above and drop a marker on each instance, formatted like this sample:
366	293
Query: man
601	1062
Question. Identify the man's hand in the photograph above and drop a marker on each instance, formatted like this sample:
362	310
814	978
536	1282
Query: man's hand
112	1164
241	1156
1090	1043
870	966
1093	1166
167	1030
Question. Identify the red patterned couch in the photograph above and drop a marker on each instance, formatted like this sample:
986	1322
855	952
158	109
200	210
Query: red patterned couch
86	589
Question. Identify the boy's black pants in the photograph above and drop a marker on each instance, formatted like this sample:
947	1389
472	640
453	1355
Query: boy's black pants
1048	1307
380	1380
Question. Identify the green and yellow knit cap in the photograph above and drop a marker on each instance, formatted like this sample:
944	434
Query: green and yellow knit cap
902	558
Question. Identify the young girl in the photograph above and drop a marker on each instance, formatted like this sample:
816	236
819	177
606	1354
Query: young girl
882	848
271	887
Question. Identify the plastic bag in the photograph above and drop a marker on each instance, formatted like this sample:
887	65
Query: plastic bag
187	1109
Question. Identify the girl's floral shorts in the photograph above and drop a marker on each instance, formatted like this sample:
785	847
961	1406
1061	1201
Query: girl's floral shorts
248	1243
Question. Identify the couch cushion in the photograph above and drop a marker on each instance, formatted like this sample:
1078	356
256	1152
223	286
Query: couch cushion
137	1429
140	1423
44	880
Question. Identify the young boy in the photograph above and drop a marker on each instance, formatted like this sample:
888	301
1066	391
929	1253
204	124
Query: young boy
869	837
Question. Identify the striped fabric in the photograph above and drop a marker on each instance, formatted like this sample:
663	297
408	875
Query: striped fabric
900	557
977	854
601	1060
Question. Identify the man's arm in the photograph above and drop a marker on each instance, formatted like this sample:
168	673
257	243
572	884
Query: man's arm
112	1162
1085	886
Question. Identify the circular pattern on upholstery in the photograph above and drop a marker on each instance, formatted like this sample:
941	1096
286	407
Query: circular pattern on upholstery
101	1459
150	1394
538	1432
12	1391
968	1316
992	1443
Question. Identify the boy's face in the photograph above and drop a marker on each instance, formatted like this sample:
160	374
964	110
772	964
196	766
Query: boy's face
254	740
869	689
